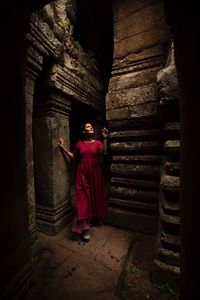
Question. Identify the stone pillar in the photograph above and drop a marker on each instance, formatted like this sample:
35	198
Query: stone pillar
51	121
132	113
166	263
34	66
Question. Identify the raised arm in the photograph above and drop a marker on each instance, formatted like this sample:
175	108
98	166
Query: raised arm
61	146
105	134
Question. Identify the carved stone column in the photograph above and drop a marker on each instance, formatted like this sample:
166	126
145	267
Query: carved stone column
51	121
34	66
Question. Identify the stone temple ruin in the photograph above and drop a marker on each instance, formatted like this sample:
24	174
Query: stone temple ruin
111	63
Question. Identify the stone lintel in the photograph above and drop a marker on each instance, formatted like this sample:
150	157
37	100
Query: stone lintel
73	84
52	101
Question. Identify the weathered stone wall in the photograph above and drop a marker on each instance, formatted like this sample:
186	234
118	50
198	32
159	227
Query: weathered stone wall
16	263
166	264
66	79
140	41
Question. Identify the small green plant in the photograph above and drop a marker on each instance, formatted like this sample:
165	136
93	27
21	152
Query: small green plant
168	290
133	269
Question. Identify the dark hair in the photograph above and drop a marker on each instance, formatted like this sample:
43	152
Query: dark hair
82	128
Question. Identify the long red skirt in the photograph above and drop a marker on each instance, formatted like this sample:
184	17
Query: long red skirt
91	202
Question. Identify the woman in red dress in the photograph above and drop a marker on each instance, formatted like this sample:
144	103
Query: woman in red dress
91	203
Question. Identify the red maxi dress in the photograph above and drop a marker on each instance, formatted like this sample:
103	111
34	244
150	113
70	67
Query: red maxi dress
91	202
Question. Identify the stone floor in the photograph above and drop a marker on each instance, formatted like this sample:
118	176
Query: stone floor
113	265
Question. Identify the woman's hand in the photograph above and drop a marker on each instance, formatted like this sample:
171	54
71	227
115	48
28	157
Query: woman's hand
105	133
61	145
60	142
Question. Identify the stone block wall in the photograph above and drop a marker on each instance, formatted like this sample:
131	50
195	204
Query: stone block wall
132	113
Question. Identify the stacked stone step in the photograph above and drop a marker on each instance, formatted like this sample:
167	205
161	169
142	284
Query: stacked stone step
166	266
168	252
133	196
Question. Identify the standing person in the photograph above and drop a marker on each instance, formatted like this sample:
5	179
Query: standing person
91	203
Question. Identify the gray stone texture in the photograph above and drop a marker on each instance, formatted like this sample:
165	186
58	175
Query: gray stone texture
132	112
61	73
